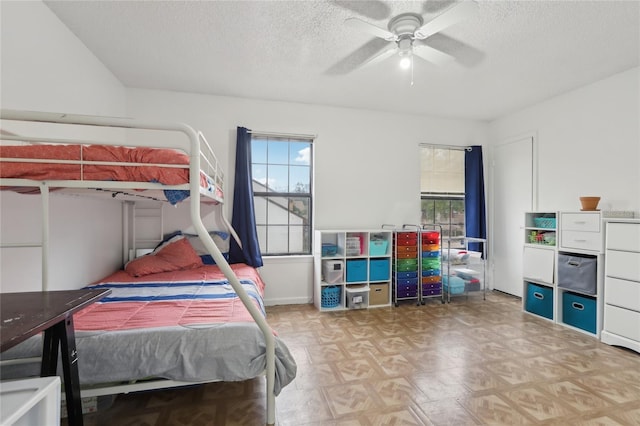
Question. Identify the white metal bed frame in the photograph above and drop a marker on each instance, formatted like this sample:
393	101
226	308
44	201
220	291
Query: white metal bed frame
201	158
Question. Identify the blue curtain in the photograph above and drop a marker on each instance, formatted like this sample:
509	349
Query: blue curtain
475	215
243	219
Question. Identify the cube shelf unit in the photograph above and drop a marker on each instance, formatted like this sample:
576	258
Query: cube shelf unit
563	268
539	264
352	269
33	401
580	285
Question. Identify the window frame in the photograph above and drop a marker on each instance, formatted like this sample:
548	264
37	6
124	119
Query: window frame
269	196
456	241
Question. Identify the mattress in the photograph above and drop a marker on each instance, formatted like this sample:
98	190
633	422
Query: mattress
101	163
185	325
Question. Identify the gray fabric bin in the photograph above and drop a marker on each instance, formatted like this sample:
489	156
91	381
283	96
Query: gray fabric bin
577	273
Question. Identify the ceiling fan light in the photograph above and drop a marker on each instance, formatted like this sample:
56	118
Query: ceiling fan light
405	62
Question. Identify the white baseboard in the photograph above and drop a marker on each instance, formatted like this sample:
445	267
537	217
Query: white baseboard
288	301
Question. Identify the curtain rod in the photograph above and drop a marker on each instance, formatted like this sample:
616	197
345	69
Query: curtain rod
458	147
283	135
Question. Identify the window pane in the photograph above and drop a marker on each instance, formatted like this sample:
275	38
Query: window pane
260	208
278	239
457	218
428	212
300	179
259	151
278	152
300	153
278	211
299	208
278	177
442	211
442	170
259	176
298	240
262	238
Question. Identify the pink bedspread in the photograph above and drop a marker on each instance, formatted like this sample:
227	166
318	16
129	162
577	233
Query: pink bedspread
185	298
45	171
99	172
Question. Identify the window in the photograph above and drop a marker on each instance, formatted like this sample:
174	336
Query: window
282	186
442	191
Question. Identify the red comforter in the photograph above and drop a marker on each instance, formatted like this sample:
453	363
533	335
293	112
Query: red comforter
50	171
179	298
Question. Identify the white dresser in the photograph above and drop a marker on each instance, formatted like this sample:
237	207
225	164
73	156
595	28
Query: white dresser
622	284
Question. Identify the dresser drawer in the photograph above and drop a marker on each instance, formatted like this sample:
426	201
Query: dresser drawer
623	322
581	240
622	293
580	222
622	264
623	236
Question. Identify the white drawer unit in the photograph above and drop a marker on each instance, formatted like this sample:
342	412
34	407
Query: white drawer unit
581	231
623	236
583	221
623	264
581	240
622	293
623	322
622	284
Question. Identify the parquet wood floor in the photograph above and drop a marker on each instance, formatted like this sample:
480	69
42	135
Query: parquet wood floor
468	362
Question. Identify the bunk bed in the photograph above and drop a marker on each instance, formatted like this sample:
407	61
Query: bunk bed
182	169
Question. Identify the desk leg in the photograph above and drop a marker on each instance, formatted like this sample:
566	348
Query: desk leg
63	335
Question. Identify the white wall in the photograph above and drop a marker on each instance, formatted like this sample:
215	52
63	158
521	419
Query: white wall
366	162
367	170
46	68
363	159
588	143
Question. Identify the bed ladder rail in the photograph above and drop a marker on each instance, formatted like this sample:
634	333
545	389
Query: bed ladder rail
44	244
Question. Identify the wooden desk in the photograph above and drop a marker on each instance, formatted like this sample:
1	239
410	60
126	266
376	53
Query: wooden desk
26	314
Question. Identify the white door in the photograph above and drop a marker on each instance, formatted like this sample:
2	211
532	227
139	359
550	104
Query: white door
512	195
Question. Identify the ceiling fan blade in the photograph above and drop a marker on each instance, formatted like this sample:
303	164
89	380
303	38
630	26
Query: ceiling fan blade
387	52
432	55
361	25
457	13
374	9
355	59
465	54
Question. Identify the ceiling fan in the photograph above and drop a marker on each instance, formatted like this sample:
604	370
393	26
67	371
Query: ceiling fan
407	28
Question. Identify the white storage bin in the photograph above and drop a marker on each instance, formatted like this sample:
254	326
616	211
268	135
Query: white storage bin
333	271
357	297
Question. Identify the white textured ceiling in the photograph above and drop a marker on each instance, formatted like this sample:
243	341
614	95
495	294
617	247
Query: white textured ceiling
511	54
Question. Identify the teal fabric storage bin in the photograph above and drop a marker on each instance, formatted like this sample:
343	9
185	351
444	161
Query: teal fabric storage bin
579	311
539	300
356	270
378	269
453	284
